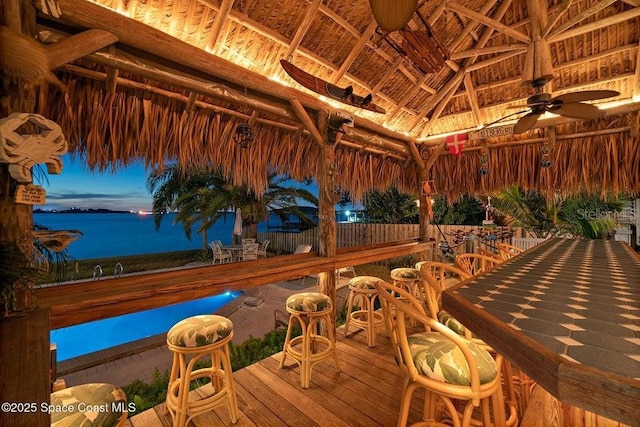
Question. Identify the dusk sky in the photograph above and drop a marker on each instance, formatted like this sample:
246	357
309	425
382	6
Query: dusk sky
78	187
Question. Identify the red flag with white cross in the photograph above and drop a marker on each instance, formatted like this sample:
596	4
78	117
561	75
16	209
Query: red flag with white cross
455	143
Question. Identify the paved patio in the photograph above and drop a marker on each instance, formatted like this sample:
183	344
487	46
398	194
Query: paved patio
123	364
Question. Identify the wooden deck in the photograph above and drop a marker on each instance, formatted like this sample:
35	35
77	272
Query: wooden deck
366	392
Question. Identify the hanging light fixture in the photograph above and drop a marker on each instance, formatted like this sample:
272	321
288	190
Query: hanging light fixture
244	135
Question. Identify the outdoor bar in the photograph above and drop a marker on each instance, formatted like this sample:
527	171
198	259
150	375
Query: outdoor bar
433	99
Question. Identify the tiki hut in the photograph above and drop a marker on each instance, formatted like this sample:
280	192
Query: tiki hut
463	95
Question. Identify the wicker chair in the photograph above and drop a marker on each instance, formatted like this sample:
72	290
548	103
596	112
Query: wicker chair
507	251
437	277
473	264
446	365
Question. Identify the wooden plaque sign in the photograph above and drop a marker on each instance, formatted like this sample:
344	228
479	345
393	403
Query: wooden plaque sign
30	195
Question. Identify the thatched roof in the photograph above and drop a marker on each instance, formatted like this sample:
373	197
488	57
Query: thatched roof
184	73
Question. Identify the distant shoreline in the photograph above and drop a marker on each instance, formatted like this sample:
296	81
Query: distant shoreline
91	211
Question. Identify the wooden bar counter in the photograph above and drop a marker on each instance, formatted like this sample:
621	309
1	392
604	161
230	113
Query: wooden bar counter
567	313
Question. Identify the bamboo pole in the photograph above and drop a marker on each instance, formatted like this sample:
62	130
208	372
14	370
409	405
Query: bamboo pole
77	46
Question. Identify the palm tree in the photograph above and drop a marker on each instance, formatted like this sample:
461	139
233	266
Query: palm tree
205	197
391	207
580	214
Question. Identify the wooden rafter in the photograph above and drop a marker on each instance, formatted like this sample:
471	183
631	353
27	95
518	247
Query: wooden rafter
489	22
406	98
593	26
511	47
360	44
387	75
552	22
303	28
218	24
486	7
579	17
472	95
78	45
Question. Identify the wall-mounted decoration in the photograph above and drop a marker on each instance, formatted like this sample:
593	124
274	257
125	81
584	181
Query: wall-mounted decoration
484	161
244	135
22	151
30	194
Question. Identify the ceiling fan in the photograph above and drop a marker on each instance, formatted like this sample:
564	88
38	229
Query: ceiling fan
566	105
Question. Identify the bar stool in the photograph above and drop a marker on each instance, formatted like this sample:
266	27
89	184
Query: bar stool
408	279
367	318
309	309
93	395
197	337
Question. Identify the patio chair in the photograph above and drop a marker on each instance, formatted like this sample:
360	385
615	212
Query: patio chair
220	254
262	249
489	253
249	251
437	277
473	264
507	251
452	370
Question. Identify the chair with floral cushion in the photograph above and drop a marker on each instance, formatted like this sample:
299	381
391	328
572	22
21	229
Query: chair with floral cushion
309	310
437	277
363	295
191	340
452	370
79	400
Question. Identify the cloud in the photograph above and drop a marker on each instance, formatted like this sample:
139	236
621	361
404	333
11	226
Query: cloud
94	200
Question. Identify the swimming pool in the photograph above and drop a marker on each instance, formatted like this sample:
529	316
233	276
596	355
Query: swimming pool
78	340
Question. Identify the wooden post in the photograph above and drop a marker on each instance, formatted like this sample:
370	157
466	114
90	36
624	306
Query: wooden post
424	207
326	208
24	335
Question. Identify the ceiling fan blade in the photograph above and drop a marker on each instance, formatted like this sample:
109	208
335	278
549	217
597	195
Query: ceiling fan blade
578	110
585	95
526	122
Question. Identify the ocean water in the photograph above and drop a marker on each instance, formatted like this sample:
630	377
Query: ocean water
123	234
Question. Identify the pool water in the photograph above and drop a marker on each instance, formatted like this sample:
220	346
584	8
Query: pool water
78	340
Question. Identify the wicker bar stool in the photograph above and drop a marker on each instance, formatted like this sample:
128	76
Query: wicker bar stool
407	279
309	309
363	288
190	340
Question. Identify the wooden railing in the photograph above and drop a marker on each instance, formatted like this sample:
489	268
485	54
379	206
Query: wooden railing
76	303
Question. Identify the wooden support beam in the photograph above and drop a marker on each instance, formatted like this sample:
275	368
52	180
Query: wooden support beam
406	98
416	155
469	28
307	121
499	13
436	113
492	61
11	15
489	22
472	95
360	44
387	75
636	78
511	47
218	24
563	8
78	45
445	93
112	74
618	18
580	16
303	27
